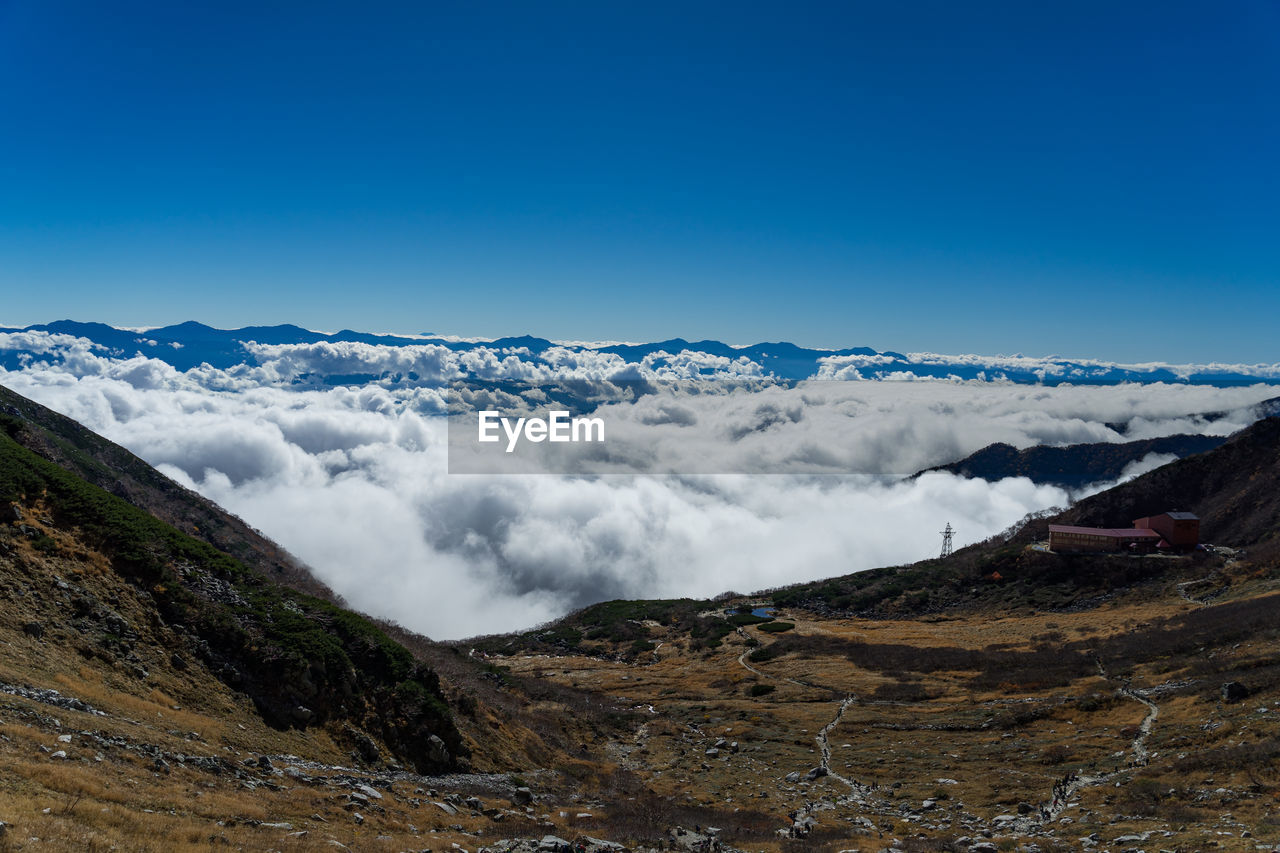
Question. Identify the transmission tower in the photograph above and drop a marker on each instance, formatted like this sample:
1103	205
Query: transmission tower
946	541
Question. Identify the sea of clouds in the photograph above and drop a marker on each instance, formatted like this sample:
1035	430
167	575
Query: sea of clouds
353	479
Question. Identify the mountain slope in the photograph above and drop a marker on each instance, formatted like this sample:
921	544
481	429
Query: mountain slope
109	466
1076	465
302	661
1231	488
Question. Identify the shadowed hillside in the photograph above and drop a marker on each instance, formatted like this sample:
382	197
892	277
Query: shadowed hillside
1074	466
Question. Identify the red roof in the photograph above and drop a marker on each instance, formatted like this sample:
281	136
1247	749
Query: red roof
1110	532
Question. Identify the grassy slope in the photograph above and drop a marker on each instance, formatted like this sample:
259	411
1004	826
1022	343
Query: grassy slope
284	649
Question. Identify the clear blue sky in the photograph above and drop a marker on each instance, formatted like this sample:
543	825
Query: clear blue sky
916	175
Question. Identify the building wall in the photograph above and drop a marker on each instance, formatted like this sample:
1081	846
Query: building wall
1180	533
1082	542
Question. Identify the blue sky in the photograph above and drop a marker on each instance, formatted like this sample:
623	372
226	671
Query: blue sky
1088	179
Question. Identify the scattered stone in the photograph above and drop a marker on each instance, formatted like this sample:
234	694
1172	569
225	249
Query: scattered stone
369	791
357	817
446	808
521	797
552	844
59	755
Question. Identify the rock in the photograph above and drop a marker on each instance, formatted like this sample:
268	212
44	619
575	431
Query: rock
64	738
712	752
552	844
446	808
474	803
1234	691
301	714
927	805
816	773
17	512
437	752
59	755
794	777
521	797
264	762
160	765
365	747
33	629
357	817
984	847
1024	808
369	791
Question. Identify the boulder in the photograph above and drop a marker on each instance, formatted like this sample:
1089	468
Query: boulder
437	752
1234	691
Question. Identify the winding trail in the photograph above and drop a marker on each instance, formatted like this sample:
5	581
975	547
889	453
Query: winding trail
824	745
742	661
1064	790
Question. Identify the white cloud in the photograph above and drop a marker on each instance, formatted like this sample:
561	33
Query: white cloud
353	479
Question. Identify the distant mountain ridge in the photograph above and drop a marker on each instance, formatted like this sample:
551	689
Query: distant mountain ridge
191	344
1076	465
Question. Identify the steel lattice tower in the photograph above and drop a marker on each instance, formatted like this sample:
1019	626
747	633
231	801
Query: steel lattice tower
946	541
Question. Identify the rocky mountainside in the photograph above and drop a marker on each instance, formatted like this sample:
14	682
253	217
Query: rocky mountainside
1231	488
109	466
157	694
301	660
1076	465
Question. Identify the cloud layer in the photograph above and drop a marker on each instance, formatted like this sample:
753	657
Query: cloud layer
352	478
